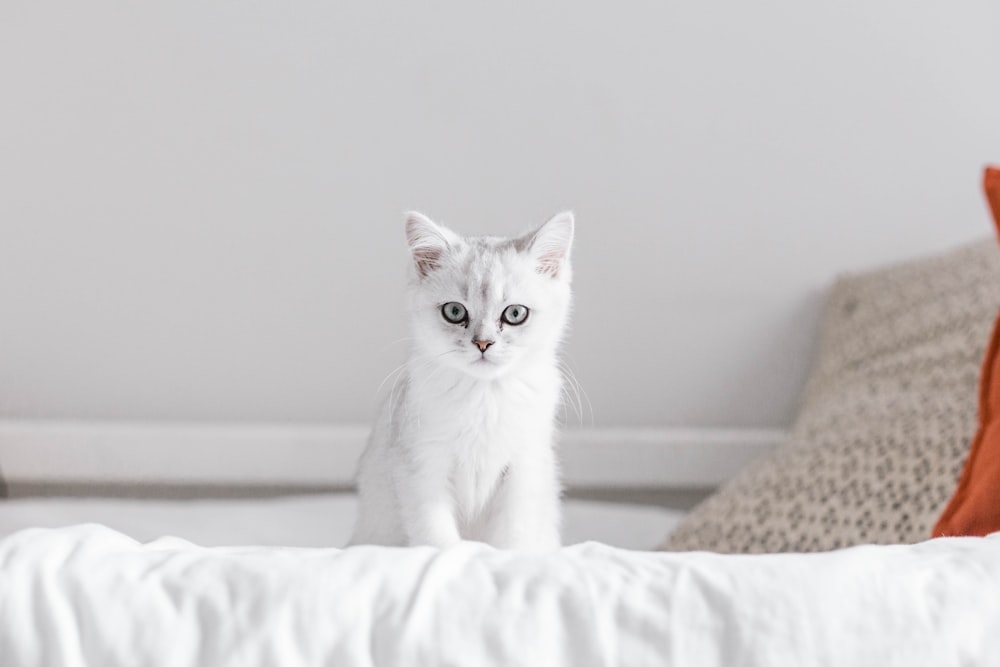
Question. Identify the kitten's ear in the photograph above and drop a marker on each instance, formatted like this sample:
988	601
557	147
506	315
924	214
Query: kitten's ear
428	242
550	244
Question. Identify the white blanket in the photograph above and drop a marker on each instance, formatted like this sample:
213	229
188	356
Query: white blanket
89	595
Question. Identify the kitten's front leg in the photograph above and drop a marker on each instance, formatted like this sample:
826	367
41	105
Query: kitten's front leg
426	508
526	508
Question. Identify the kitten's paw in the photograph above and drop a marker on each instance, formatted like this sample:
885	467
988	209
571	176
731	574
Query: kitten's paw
536	543
438	541
538	546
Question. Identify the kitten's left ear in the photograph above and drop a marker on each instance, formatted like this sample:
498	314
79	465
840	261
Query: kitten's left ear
550	244
428	242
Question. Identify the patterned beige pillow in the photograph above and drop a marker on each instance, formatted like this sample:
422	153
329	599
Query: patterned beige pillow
885	422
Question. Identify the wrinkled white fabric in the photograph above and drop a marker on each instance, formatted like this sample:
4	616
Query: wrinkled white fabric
87	595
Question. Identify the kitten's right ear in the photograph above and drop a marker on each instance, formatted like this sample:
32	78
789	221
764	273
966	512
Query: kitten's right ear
550	244
428	242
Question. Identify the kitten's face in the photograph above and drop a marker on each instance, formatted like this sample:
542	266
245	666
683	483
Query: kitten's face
488	305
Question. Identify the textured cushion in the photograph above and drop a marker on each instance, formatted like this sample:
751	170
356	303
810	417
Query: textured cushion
975	507
885	421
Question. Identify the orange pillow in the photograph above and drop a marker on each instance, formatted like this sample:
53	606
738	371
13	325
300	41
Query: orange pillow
975	507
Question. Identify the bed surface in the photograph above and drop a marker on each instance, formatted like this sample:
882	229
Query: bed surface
90	595
315	520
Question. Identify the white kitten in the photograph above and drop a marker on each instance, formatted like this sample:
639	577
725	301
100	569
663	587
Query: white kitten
463	447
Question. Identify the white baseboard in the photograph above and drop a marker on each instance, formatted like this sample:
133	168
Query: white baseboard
681	458
323	455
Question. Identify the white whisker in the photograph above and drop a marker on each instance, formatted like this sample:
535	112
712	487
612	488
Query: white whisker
395	371
408	368
578	392
404	339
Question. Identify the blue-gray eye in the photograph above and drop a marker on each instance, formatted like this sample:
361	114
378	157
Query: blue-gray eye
454	312
515	315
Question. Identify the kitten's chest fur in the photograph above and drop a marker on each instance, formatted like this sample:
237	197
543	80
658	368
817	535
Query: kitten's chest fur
484	430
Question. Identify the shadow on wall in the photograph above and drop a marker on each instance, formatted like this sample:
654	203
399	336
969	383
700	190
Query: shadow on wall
788	347
729	361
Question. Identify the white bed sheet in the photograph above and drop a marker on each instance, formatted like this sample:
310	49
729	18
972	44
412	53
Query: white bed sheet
87	595
316	520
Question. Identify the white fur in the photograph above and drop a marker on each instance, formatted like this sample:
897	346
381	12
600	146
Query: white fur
463	447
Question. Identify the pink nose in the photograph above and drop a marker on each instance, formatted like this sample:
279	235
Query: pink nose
482	344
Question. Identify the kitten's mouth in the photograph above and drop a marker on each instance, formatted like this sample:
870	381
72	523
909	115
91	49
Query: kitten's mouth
485	368
485	364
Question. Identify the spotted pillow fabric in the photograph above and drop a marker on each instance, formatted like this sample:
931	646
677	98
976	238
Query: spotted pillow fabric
885	421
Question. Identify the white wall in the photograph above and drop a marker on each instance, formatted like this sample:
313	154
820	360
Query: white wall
200	202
